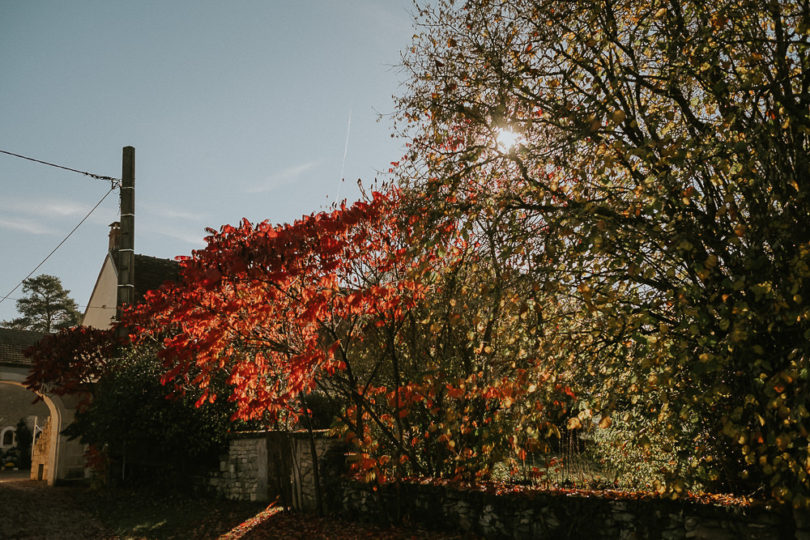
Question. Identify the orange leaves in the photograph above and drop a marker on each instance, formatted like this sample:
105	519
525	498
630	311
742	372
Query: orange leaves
259	301
455	393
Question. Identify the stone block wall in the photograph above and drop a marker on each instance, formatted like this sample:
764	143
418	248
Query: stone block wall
41	450
527	515
242	471
302	472
260	466
264	465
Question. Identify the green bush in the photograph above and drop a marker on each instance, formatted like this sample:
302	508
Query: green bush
144	436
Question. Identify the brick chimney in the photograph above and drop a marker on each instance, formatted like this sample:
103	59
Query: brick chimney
115	236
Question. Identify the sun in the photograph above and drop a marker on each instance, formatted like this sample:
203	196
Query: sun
506	139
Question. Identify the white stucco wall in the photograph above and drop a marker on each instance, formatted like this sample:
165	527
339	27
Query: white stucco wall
101	306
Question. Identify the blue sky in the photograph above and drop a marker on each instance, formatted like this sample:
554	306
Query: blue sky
235	109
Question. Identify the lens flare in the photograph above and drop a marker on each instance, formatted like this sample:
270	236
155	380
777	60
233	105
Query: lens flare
506	139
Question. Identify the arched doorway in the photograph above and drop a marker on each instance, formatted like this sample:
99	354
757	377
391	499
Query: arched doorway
59	458
20	420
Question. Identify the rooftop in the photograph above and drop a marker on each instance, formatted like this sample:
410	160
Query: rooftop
14	342
152	272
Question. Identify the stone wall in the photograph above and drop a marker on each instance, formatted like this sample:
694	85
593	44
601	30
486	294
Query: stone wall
41	451
262	466
302	473
526	515
242	471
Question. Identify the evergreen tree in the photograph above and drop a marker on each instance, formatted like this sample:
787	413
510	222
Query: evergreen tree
46	306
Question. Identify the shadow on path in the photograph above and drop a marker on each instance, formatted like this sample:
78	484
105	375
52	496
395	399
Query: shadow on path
30	509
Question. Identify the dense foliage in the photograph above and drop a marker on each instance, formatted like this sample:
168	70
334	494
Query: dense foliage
70	361
24	440
598	236
659	181
135	433
139	436
422	351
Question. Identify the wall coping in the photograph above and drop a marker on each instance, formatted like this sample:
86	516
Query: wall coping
297	434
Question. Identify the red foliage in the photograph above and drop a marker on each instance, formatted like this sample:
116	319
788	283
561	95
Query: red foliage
273	306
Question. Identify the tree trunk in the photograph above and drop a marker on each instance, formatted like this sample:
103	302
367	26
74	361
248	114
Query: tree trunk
316	476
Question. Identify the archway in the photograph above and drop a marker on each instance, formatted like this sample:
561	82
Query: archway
62	459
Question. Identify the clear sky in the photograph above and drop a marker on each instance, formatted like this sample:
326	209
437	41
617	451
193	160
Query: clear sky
235	109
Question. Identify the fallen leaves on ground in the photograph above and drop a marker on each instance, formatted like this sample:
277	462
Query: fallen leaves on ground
273	522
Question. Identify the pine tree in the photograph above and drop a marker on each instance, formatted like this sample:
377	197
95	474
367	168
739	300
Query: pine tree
46	306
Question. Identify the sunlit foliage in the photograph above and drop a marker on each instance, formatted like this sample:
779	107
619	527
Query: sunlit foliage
661	176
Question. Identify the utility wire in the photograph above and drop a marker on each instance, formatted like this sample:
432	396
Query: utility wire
113	181
77	305
60	243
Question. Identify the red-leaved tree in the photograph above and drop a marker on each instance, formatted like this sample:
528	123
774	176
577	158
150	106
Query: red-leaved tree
350	304
70	360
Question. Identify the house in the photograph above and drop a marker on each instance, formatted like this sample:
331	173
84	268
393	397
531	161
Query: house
55	457
149	273
15	401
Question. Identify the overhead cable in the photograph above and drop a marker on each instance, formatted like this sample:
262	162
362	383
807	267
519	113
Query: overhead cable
114	181
60	243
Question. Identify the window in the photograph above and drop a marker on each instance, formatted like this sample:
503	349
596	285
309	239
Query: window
7	437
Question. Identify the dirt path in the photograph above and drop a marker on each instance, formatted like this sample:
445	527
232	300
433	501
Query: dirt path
30	509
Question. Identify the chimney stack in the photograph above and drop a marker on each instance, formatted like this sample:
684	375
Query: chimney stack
115	237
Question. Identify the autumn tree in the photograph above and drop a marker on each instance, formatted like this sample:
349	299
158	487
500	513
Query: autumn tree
71	360
280	309
346	304
45	306
657	153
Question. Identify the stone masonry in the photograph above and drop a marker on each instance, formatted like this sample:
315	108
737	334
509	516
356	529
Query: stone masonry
260	466
242	471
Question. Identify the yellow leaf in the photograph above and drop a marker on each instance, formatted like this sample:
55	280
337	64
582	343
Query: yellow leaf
574	423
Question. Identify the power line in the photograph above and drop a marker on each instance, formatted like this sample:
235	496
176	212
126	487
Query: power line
60	243
77	305
114	181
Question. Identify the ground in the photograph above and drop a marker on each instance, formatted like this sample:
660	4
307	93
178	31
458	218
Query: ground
31	510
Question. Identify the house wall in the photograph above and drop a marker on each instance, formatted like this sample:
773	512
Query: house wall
100	310
16	403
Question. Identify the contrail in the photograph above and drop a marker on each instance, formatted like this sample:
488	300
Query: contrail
345	153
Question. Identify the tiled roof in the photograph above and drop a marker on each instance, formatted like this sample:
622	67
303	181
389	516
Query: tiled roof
152	272
14	342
